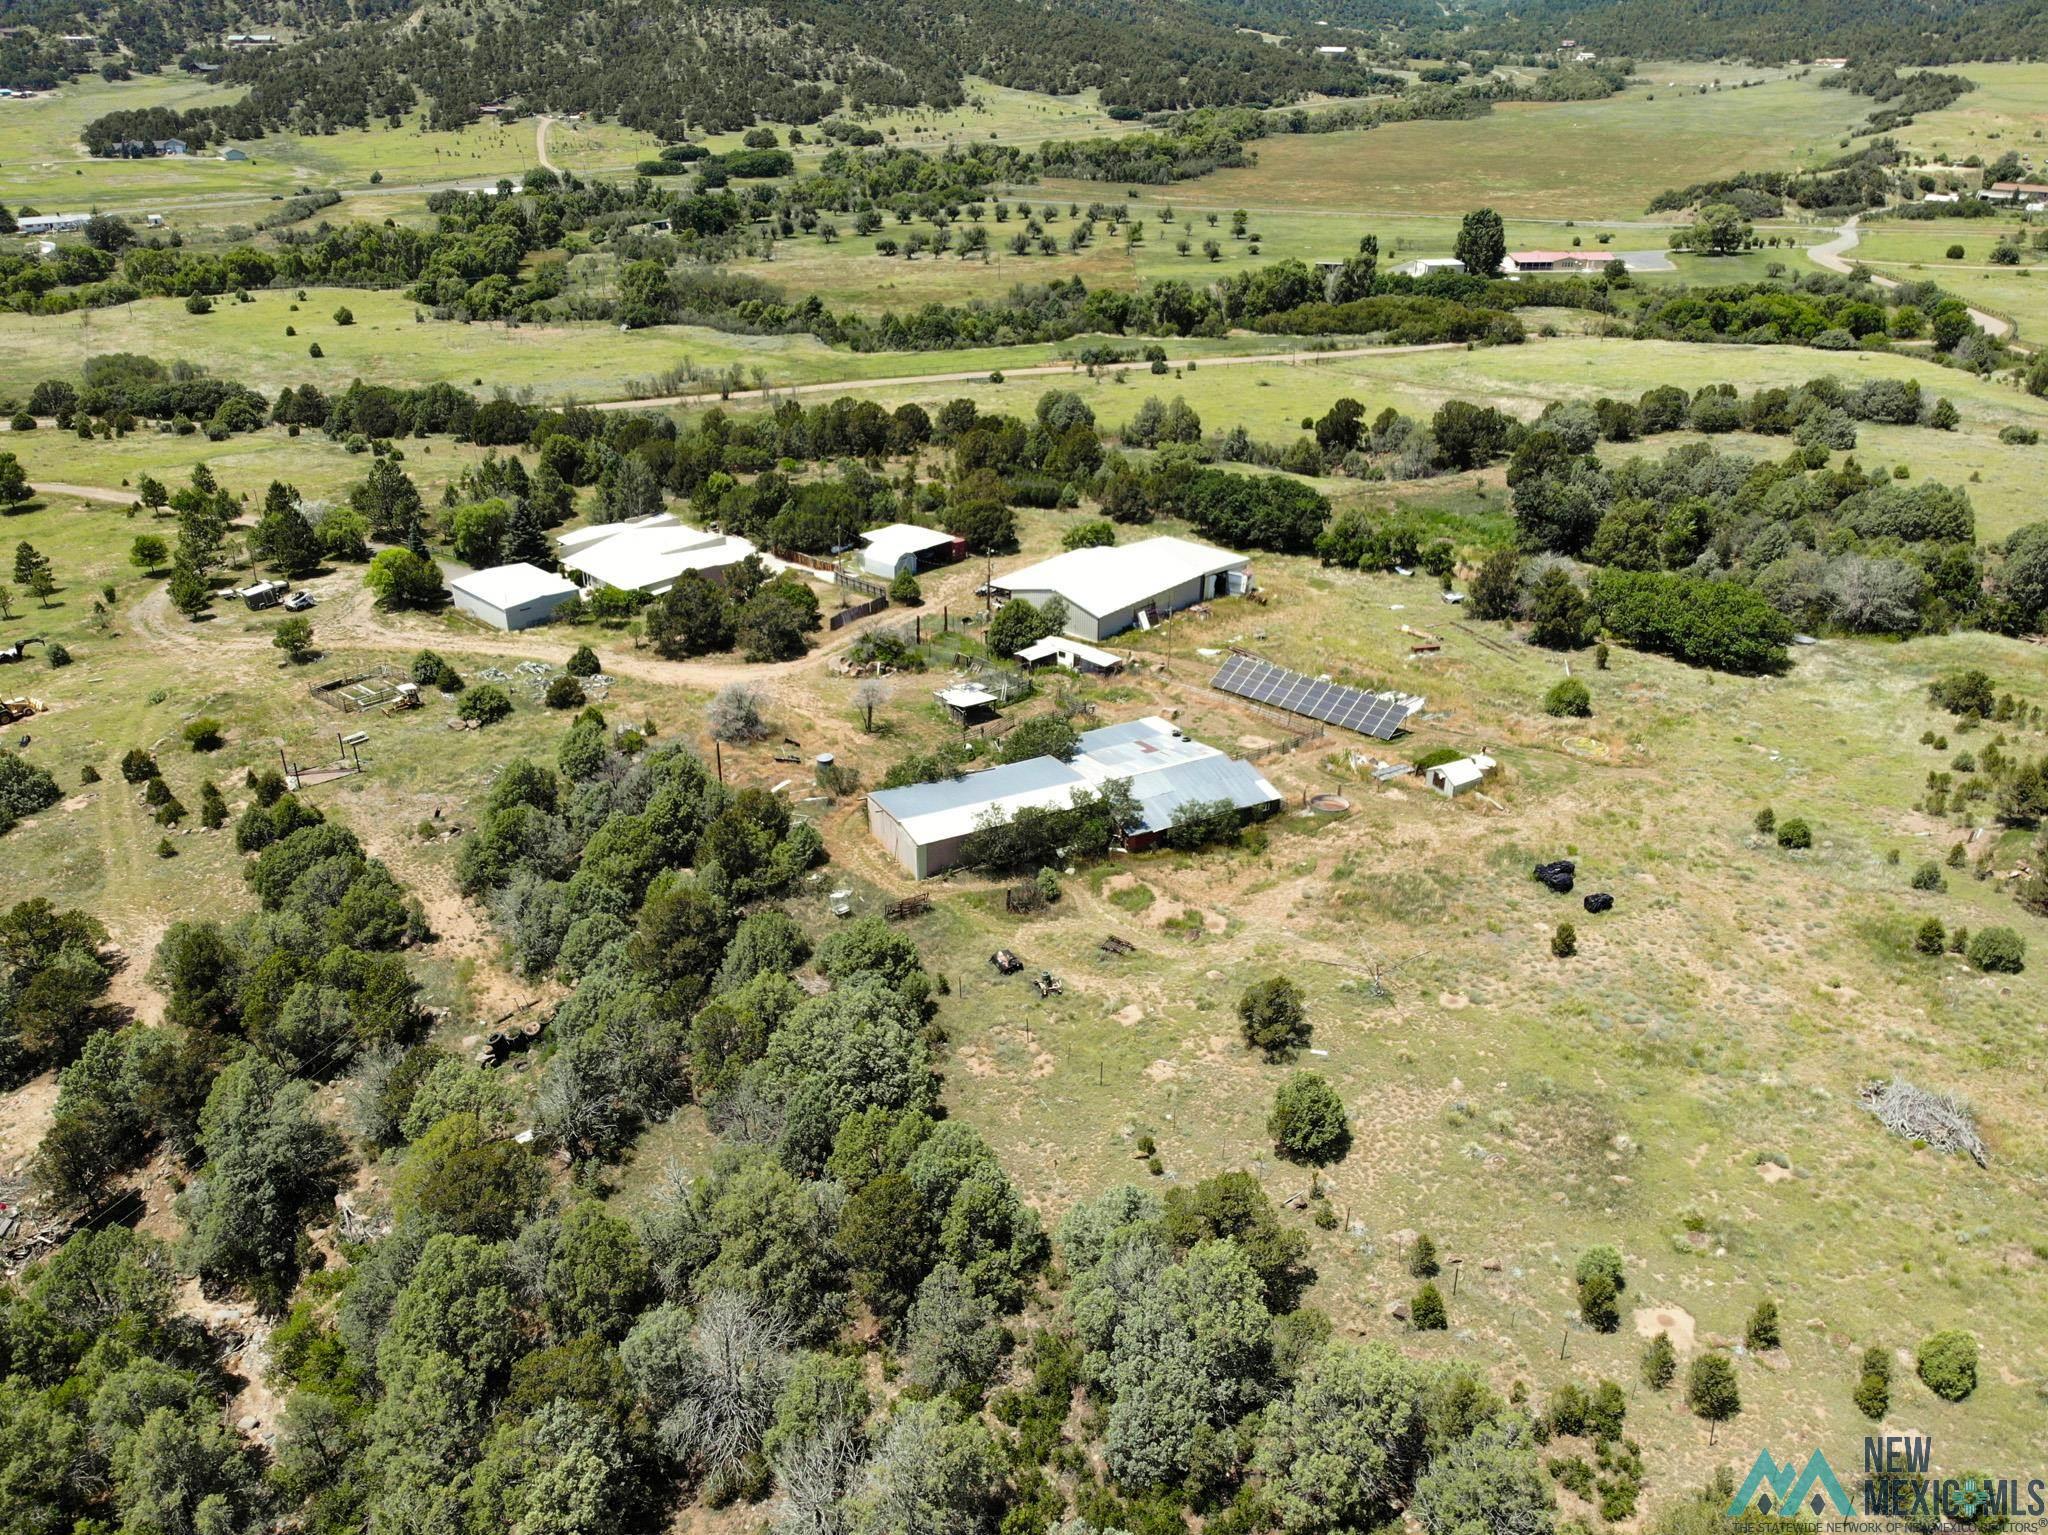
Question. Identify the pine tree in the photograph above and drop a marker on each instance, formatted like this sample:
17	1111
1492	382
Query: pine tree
525	538
1660	1362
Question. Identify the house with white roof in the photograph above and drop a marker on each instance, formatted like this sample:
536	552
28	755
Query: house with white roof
1117	586
903	546
924	826
647	554
515	596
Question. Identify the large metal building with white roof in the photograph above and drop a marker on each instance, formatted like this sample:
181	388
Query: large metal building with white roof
1113	587
515	596
924	825
647	554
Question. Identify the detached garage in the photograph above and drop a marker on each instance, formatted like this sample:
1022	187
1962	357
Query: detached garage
512	596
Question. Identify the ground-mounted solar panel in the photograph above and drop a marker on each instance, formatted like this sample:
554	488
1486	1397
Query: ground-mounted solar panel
1371	714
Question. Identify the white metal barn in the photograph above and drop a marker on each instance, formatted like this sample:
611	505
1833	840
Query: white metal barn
511	596
1109	589
923	826
647	554
904	546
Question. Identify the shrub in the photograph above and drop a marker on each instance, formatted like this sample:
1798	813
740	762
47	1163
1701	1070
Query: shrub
1422	1261
1308	1123
734	713
1564	943
1601	1282
344	316
1426	1311
1928	876
486	704
1568	700
584	663
198	303
57	656
204	735
1274	1019
1947	1363
1660	1362
1762	1331
1873	1393
137	765
1794	833
1954	253
564	692
1998	950
905	590
1931	938
25	788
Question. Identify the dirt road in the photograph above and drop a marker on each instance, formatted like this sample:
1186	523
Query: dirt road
540	144
1035	370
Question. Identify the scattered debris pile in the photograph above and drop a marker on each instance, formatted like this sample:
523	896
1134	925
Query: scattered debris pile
1006	962
1557	875
1598	902
1940	1120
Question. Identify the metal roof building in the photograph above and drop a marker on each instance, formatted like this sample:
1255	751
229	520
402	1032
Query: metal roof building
904	546
1111	588
647	554
516	596
924	825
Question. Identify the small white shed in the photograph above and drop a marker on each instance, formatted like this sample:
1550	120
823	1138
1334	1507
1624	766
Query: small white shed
511	596
1451	779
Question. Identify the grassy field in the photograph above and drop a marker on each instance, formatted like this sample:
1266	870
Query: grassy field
1595	159
42	164
392	342
2008	110
1919	251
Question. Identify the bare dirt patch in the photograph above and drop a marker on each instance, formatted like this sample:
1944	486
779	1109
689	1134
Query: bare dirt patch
1771	1172
1674	1320
25	1116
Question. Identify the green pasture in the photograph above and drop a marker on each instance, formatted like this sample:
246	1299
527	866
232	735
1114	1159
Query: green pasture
392	342
1594	159
2008	110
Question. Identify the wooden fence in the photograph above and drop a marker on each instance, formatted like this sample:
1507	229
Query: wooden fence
859	610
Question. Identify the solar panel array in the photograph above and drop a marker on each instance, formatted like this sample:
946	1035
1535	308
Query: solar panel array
1275	686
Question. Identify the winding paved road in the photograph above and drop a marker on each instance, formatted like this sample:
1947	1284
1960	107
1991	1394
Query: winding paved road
1834	255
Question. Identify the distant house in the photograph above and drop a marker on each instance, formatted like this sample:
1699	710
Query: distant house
516	596
232	153
1332	48
1831	63
170	146
925	825
252	40
1424	266
903	546
1555	261
2016	191
1451	779
1109	589
647	554
51	223
1942	197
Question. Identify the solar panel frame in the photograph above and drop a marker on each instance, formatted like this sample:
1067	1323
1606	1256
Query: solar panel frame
1312	697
